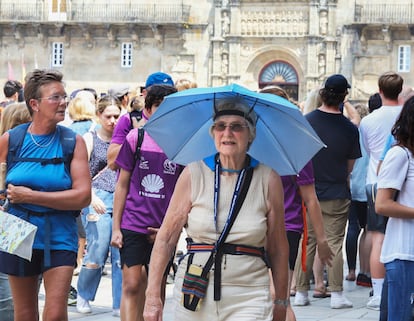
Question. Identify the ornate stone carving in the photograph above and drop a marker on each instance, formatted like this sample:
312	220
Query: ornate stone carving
18	36
225	23
111	34
274	23
323	22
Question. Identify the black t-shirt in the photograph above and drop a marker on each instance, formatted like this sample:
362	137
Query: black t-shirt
330	164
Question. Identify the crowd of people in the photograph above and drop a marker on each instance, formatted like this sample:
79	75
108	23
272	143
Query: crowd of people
104	189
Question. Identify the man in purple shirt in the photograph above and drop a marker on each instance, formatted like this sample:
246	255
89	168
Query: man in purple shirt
124	124
297	189
142	194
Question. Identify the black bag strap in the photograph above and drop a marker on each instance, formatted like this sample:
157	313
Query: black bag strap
139	143
216	255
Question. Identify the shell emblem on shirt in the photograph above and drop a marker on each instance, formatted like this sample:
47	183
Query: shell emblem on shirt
152	183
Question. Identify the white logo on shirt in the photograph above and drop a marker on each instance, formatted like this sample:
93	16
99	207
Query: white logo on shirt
152	183
169	167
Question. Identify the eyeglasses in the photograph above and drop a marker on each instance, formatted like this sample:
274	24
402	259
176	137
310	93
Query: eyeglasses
56	98
234	127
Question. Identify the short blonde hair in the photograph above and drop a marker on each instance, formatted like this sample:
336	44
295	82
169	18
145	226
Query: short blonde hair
183	84
13	115
81	109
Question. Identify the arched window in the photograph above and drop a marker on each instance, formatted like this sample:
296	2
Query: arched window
282	74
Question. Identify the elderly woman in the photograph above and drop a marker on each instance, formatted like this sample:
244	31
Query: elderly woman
48	189
202	201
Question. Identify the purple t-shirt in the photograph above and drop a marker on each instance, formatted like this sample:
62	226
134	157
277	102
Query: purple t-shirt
121	130
151	186
293	201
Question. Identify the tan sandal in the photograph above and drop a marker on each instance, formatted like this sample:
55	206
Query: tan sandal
321	293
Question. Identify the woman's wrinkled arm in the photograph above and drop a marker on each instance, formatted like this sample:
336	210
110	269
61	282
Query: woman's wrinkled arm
165	242
277	245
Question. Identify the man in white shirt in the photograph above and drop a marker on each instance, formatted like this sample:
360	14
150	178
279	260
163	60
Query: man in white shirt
374	129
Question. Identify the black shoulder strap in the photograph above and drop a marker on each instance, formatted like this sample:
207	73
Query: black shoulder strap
139	143
135	116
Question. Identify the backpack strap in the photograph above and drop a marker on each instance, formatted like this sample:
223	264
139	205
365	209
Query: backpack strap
140	139
135	116
16	138
68	142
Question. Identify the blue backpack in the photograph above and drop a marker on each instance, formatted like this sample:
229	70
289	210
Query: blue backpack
16	138
67	139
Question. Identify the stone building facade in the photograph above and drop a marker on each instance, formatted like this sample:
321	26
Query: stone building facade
294	44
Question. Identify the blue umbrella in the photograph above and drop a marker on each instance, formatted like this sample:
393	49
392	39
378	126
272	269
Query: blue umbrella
284	139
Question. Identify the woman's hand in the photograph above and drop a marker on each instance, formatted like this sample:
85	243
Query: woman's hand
18	194
116	240
153	309
98	205
153	234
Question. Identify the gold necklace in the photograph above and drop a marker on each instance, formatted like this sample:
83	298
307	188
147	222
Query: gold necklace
38	144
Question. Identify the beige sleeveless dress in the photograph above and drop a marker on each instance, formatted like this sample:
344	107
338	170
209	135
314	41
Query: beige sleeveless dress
245	293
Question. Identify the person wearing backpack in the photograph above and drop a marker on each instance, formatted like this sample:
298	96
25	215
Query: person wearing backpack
47	183
140	203
14	115
133	119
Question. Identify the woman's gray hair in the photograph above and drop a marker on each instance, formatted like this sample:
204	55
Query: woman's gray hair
236	106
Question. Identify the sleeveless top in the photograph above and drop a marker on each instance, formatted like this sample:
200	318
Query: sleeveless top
249	228
103	178
49	178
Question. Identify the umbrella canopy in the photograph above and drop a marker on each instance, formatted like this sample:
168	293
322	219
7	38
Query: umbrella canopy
284	139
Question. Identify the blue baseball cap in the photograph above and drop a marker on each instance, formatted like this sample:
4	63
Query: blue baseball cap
159	78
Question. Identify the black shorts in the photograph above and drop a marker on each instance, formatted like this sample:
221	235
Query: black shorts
15	265
293	239
375	222
137	250
360	210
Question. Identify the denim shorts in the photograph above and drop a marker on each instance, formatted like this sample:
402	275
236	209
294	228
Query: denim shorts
14	265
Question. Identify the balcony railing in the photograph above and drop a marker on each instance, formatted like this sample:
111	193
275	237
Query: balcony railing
388	13
83	12
131	13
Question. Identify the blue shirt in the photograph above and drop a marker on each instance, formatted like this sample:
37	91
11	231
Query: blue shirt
49	177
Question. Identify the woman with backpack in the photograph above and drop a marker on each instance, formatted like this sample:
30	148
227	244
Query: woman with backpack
48	183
